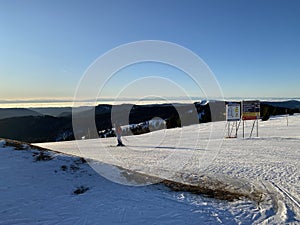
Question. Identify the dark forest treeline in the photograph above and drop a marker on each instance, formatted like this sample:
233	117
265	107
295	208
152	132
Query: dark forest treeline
46	128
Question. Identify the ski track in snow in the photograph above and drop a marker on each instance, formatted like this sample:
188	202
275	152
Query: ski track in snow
269	163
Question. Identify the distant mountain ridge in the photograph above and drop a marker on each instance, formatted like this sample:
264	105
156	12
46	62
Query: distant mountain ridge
291	104
17	112
54	111
55	124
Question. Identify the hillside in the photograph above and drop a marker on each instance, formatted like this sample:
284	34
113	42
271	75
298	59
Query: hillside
34	128
17	112
44	187
55	124
199	155
292	104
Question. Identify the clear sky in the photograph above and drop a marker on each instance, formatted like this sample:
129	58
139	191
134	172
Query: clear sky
253	47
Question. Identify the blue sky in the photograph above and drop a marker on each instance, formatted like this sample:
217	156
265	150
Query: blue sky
253	47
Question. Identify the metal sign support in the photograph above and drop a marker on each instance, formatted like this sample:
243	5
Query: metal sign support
231	125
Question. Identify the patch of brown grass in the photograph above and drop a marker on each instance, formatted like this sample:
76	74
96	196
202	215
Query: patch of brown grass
18	145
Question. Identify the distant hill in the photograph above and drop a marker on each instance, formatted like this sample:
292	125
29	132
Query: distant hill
34	128
55	124
292	104
47	128
54	111
17	112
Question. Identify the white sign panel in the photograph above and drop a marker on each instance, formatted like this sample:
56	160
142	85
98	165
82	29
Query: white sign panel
233	112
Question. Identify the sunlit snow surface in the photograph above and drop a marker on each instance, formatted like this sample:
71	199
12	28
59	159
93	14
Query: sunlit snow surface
42	193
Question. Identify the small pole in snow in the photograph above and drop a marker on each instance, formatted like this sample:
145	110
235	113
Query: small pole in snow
243	129
228	129
287	117
257	126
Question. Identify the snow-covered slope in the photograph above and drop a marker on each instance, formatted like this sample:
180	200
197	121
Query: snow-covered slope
45	188
52	188
269	163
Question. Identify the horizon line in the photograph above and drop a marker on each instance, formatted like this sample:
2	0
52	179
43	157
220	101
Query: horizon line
48	100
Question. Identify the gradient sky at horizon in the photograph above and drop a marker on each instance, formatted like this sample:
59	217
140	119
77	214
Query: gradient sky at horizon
253	47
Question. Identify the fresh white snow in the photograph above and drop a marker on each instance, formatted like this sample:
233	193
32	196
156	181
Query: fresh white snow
41	192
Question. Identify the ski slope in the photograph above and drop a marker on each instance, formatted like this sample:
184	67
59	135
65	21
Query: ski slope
41	192
44	192
268	163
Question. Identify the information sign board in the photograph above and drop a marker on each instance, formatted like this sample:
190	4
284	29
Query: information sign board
250	110
233	111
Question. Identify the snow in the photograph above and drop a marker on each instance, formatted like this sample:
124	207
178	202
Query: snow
40	192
